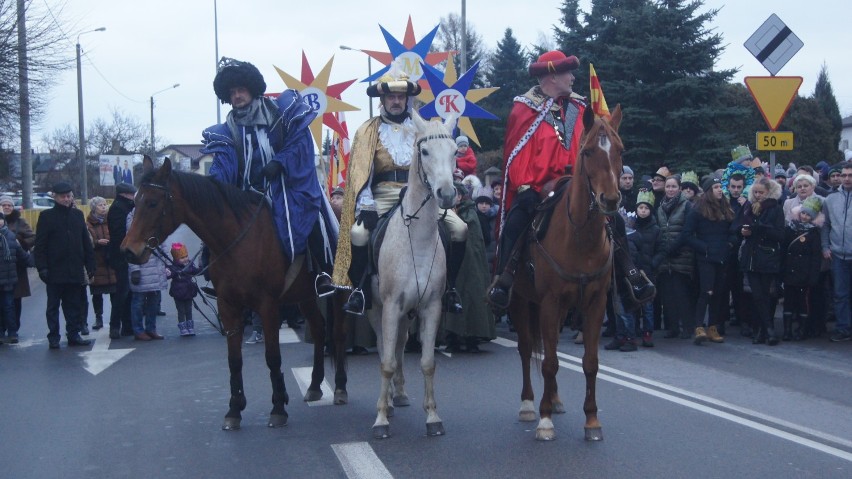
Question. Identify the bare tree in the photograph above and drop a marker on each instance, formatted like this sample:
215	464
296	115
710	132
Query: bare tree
121	131
449	38
46	57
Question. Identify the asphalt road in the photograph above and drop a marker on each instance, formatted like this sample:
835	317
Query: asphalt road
125	408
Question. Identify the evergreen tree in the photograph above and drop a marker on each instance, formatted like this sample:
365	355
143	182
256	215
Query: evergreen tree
656	58
824	95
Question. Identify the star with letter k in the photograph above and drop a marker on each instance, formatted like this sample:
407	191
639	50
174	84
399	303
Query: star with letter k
457	99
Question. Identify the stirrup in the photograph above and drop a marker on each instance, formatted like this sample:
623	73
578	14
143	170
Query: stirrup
325	287
356	309
452	302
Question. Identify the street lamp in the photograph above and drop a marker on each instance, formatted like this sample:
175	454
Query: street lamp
369	70
154	148
81	153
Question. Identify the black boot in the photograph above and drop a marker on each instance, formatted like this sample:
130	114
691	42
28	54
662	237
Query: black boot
357	302
316	244
452	298
99	322
803	331
518	220
641	288
788	327
759	337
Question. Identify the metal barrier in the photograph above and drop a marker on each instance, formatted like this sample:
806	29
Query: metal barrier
32	215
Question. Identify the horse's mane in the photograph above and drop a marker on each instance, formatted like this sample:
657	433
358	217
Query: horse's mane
203	192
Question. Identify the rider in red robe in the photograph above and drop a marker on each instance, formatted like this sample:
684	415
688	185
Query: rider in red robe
542	140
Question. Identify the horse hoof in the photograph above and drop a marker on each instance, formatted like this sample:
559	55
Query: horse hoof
435	429
277	420
558	408
341	397
231	424
401	401
313	395
545	434
594	434
526	416
381	432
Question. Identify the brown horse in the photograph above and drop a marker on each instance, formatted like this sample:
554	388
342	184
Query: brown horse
247	267
571	271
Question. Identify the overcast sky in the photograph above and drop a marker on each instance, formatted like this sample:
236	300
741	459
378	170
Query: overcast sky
150	45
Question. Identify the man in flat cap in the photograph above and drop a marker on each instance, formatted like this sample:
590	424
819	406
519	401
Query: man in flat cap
266	146
381	153
119	317
63	256
542	138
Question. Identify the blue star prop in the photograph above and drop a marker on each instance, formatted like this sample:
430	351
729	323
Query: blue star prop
421	49
471	110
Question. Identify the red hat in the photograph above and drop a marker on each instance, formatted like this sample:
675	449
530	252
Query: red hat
553	62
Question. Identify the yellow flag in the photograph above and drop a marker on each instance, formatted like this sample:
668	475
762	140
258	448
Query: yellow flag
596	94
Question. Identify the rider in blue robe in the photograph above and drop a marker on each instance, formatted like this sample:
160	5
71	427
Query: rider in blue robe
266	146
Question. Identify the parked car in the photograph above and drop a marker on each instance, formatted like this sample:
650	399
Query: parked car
39	203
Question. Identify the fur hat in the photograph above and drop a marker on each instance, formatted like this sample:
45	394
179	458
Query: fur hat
394	81
553	61
662	172
61	187
646	197
179	251
741	153
812	206
708	183
234	73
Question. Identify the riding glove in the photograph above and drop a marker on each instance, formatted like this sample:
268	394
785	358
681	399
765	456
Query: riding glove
272	170
369	218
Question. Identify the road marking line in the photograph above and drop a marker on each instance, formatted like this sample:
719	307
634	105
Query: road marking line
360	461
101	357
303	379
711	410
287	335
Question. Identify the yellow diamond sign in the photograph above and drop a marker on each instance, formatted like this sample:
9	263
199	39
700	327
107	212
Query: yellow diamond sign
773	96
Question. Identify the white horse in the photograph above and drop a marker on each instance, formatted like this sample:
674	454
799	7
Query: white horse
412	272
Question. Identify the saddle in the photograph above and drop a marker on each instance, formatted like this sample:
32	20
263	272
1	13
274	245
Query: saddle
552	192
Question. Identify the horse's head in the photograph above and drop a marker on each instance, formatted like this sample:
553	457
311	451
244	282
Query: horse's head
600	158
436	151
153	218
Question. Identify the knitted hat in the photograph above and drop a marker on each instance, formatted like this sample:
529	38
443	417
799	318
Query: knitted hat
462	140
645	196
741	153
7	199
484	199
234	73
626	170
834	168
553	61
179	251
780	172
812	206
708	183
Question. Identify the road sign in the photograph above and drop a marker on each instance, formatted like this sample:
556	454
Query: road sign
773	44
774	140
773	96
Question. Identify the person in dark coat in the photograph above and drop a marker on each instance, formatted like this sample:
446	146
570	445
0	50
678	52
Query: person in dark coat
625	186
760	260
708	233
643	243
63	254
486	223
119	317
802	252
104	281
26	238
673	261
11	254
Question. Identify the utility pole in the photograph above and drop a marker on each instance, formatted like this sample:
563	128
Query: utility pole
463	38
24	103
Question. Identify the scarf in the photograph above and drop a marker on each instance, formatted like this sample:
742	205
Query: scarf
5	251
669	204
261	116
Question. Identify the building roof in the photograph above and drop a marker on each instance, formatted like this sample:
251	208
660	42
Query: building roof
847	122
192	151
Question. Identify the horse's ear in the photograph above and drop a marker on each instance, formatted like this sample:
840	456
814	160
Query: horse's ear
418	120
588	118
450	123
147	164
615	117
166	169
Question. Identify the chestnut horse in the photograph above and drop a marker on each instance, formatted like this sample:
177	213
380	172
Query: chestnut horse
248	268
571	271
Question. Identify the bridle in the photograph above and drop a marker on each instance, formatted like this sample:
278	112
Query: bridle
593	203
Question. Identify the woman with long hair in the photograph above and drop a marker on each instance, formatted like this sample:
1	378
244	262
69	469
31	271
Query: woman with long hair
707	232
763	232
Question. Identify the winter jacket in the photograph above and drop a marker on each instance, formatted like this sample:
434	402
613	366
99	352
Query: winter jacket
104	273
150	276
467	162
643	240
710	240
761	252
837	230
672	254
802	253
63	247
26	238
183	288
9	263
117	221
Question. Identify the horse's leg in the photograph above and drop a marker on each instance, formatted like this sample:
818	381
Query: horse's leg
398	394
316	322
593	318
519	312
339	337
232	323
386	332
549	326
269	314
430	317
